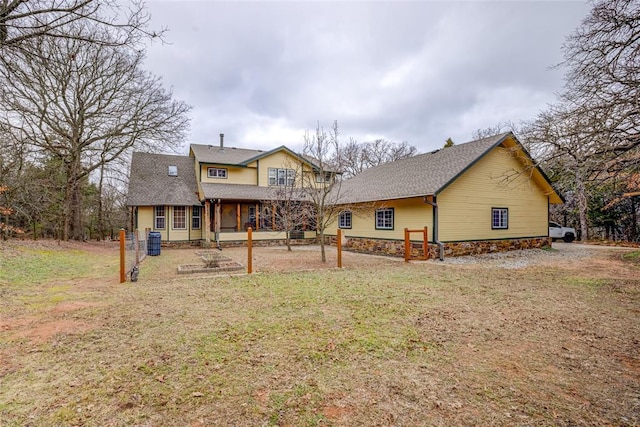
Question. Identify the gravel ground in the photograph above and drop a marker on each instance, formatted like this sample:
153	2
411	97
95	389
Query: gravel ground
560	253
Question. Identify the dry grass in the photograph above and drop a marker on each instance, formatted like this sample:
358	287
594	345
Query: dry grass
378	343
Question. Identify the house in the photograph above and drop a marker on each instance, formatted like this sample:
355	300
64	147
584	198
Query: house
215	193
482	196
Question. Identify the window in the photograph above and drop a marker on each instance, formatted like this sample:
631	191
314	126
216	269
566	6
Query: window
384	219
324	178
499	218
159	220
217	173
282	177
344	220
180	217
173	170
195	217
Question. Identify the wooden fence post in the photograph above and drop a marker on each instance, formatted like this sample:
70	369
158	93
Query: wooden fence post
339	246
123	238
407	245
425	244
249	250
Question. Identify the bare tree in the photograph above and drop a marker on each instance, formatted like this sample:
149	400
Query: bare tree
124	22
87	105
566	142
603	56
356	157
288	208
499	127
591	136
322	187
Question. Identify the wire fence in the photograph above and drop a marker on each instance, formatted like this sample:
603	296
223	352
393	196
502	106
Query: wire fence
133	251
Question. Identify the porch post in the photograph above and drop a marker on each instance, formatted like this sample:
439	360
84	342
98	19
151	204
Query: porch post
216	218
238	226
207	221
257	216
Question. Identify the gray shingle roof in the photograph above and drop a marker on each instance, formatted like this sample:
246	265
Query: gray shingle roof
151	185
421	175
238	156
226	156
239	192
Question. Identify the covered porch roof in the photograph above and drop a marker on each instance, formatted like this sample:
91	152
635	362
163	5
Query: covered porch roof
244	192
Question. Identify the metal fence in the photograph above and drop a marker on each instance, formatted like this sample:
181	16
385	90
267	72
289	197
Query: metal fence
133	251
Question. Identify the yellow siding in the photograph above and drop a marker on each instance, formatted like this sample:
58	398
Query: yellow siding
412	213
235	175
145	217
280	160
496	180
146	220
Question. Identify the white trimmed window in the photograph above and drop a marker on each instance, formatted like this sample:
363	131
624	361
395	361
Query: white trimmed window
384	219
180	217
327	177
282	177
220	173
159	217
196	216
344	220
499	218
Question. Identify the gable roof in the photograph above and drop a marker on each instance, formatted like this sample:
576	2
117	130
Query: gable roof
151	185
426	174
232	156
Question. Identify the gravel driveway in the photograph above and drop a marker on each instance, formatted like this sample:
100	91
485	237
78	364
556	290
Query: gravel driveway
560	253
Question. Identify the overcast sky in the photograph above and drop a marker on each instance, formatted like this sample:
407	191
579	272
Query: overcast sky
264	72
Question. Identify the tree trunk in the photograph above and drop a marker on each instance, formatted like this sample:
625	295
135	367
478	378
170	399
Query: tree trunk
583	206
101	227
322	250
73	203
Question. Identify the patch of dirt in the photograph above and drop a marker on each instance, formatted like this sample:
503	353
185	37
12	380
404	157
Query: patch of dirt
44	331
43	327
69	306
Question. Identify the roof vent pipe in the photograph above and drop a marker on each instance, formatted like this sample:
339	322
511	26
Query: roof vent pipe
222	141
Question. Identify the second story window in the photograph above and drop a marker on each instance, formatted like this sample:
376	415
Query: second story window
282	177
217	173
326	177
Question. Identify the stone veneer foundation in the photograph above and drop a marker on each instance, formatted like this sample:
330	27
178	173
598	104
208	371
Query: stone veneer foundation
451	249
392	247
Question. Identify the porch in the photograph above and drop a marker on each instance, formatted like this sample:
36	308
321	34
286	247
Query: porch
229	221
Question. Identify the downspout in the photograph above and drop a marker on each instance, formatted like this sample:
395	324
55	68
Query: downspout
434	204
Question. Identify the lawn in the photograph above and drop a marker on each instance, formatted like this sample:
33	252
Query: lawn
386	343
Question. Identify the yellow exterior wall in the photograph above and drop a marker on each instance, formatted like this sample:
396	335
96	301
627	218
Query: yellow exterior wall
145	217
411	213
235	175
280	160
496	180
146	220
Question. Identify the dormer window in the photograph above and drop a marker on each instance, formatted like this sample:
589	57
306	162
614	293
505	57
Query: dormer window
217	173
173	170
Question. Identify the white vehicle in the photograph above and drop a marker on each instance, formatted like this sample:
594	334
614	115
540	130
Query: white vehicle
556	231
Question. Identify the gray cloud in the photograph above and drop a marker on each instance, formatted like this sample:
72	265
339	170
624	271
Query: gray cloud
263	72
